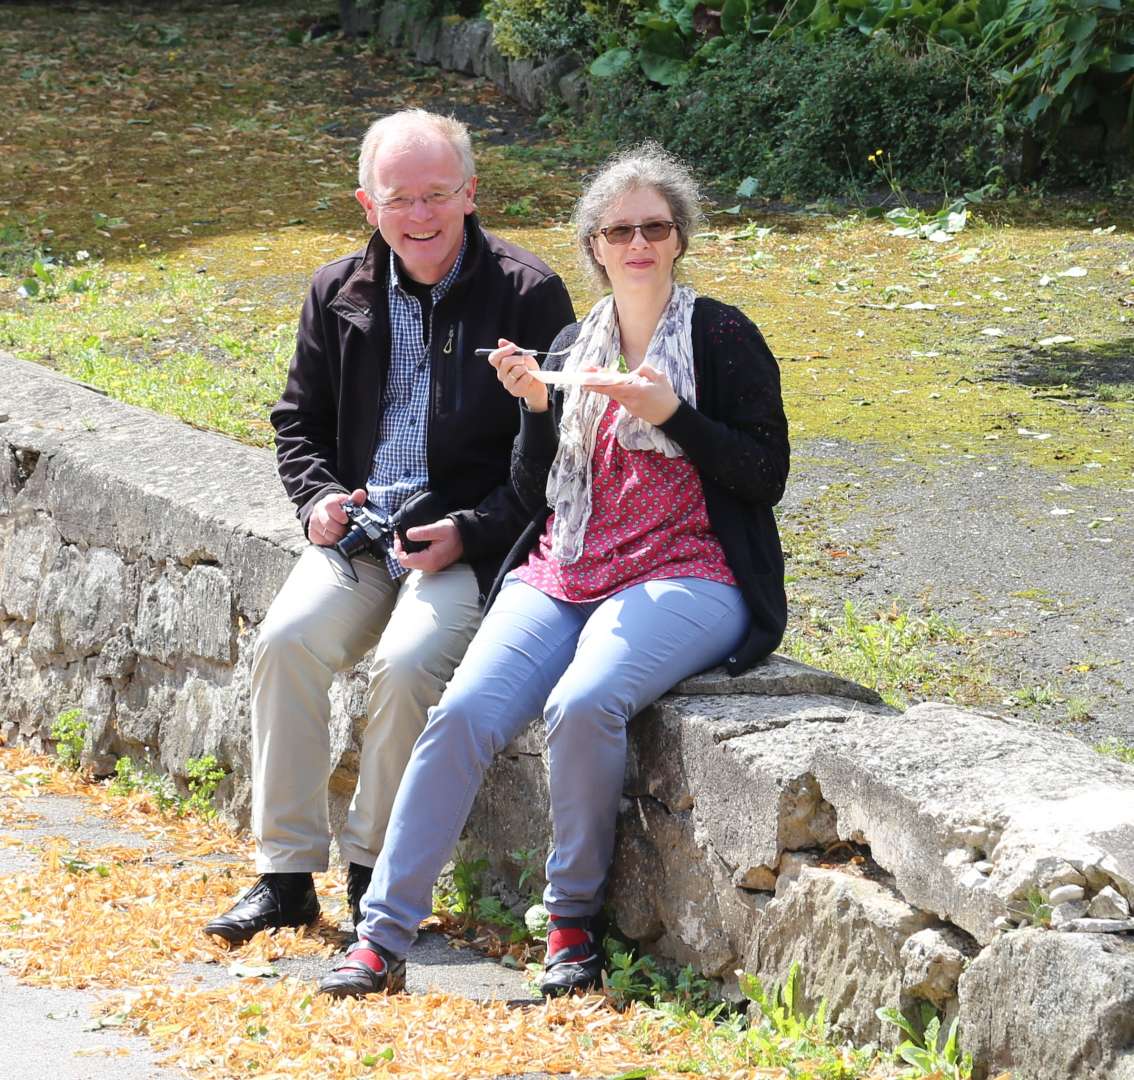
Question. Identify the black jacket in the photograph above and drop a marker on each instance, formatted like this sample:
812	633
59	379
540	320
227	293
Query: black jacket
737	438
327	420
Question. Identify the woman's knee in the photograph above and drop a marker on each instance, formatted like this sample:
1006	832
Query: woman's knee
582	707
461	723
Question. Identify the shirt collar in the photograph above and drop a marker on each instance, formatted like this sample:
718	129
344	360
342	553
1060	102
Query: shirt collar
443	286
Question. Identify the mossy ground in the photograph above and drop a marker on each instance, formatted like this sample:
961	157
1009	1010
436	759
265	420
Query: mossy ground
204	159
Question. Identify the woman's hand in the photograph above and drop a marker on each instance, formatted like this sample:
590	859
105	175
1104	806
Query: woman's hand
647	396
513	370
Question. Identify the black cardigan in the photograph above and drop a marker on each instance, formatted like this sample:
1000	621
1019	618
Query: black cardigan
737	438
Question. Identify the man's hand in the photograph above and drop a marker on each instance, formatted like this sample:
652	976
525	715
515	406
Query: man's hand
445	546
328	522
647	396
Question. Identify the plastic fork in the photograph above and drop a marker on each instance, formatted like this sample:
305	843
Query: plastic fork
524	352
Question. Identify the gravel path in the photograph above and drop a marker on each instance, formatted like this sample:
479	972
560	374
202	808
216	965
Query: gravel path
1039	571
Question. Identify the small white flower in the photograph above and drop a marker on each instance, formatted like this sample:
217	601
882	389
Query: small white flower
82	256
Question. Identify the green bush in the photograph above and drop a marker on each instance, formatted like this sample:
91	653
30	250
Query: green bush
541	28
1058	66
69	732
802	117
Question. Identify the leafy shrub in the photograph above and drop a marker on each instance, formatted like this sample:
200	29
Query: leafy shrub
802	117
203	775
541	28
1052	61
69	732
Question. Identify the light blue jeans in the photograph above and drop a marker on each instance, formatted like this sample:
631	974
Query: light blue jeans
589	668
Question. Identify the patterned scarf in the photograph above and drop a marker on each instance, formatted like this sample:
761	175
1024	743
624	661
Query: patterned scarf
598	345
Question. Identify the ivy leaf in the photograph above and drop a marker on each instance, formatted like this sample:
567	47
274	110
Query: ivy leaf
748	187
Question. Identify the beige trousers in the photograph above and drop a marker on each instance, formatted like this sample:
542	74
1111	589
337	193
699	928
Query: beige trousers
320	623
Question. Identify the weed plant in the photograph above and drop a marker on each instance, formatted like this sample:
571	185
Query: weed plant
895	652
1117	749
204	775
929	1050
69	732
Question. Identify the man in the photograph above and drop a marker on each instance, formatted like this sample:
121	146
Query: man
384	400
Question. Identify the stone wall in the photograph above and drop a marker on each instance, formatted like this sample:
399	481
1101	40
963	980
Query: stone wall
784	816
466	45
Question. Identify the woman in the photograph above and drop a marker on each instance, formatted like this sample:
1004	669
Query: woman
652	554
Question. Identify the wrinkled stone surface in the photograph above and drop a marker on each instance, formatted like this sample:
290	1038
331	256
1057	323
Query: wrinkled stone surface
847	934
1109	903
932	962
29	551
1050	1006
911	789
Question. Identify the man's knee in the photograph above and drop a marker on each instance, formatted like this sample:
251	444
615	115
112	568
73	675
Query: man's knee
405	675
281	636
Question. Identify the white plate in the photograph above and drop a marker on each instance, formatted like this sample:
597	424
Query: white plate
580	378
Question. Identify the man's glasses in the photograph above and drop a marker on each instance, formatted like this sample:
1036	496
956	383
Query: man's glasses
401	203
623	234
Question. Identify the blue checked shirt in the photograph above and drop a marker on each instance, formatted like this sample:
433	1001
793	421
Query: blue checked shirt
400	467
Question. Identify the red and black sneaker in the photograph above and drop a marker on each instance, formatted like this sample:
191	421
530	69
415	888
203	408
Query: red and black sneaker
367	969
574	956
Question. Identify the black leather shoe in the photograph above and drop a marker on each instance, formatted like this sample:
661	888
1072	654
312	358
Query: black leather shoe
374	971
575	967
358	881
275	900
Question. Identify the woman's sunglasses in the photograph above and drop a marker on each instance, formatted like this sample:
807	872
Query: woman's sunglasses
623	234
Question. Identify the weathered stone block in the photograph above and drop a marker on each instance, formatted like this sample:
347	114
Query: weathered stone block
743	766
666	889
940	789
1049	1006
207	614
146	700
186	615
30	550
118	656
470	40
83	600
932	962
776	676
391	27
424	38
846	933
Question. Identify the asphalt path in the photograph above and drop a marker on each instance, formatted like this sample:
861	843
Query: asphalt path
1037	570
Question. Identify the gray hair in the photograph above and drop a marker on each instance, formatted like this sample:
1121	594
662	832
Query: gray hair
644	166
418	124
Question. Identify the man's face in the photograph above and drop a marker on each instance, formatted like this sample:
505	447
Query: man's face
419	203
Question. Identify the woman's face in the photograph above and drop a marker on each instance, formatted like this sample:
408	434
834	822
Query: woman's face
642	263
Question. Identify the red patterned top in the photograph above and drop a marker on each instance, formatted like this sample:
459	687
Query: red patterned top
648	521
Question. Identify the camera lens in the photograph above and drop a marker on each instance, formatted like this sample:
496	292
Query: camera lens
354	543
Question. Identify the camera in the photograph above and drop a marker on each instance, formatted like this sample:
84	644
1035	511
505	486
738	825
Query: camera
372	532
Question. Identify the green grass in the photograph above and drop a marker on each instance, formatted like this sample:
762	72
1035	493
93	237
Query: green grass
899	652
255	190
1117	749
